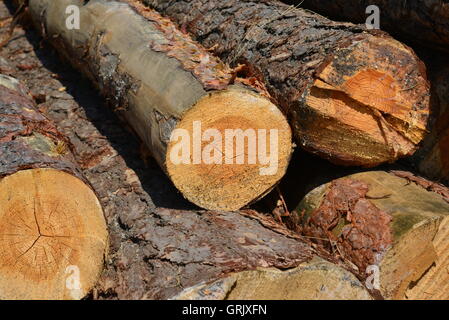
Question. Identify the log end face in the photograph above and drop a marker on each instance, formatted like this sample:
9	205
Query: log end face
228	157
434	284
368	105
53	236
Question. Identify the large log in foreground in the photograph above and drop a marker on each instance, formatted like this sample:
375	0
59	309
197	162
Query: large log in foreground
353	97
385	220
183	103
423	22
314	280
52	229
222	255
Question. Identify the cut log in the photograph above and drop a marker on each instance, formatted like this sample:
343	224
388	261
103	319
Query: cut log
352	96
314	280
185	105
421	22
432	158
385	220
52	229
235	255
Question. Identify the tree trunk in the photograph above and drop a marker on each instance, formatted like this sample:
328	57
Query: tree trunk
218	255
386	220
314	280
353	97
52	227
422	22
160	81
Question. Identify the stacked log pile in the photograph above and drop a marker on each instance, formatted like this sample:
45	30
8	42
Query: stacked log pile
351	96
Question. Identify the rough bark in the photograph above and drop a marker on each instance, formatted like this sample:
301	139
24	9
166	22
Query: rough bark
422	22
386	220
159	80
51	222
352	96
203	250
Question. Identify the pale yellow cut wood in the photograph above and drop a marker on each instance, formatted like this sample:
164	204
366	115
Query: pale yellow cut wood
53	236
230	186
434	284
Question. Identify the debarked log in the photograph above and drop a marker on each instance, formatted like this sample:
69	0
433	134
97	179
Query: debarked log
53	235
221	140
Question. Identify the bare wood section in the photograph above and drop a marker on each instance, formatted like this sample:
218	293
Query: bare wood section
155	77
352	97
52	229
315	280
412	20
376	218
434	285
53	236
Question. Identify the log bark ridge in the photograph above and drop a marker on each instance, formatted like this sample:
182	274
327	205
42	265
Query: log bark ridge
160	80
226	252
352	96
421	22
383	219
52	229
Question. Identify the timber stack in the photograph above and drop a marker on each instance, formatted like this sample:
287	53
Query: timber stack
192	77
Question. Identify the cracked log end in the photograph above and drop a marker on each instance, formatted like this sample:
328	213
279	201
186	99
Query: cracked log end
434	284
350	211
226	184
368	105
53	236
314	280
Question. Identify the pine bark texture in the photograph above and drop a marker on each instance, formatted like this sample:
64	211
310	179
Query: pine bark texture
28	139
341	86
422	22
155	77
